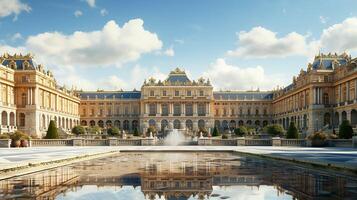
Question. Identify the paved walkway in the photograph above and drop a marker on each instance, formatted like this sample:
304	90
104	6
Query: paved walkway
15	157
338	157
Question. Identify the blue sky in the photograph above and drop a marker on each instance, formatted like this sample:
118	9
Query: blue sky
239	45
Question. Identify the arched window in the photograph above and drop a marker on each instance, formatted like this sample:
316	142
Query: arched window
152	123
12	119
135	124
164	124
101	124
126	125
117	123
84	123
201	124
189	124
92	123
177	124
108	123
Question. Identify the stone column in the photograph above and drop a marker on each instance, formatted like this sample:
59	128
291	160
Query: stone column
28	96
355	88
158	108
194	109
146	108
347	91
183	107
339	94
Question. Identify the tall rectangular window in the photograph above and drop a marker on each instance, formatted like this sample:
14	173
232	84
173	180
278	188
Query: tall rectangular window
189	93
201	93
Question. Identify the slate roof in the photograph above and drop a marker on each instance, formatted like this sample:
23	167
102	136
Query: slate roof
19	63
235	95
326	62
111	95
178	75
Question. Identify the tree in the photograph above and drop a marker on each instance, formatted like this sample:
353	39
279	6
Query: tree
292	131
136	132
345	130
52	131
94	129
114	131
274	130
215	132
241	131
78	130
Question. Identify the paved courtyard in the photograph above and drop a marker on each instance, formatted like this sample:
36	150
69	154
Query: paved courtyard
340	157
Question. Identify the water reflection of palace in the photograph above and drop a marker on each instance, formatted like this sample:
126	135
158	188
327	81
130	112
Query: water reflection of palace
39	186
180	178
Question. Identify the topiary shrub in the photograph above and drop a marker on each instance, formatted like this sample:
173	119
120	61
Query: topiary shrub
136	132
215	132
78	130
52	131
275	130
241	131
345	130
113	131
292	132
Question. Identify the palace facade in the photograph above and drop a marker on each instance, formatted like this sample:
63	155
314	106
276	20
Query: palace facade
30	98
320	97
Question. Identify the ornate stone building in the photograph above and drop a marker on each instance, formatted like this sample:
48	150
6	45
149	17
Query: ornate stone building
30	97
318	98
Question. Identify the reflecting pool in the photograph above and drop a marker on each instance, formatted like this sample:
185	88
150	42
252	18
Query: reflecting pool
181	176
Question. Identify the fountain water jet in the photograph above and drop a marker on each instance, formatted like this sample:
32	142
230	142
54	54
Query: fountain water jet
174	138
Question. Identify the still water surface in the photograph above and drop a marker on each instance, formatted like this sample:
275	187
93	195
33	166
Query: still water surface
180	176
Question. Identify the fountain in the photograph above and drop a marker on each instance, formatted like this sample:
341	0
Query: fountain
174	138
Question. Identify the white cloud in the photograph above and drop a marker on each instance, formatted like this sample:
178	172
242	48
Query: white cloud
260	42
323	19
230	77
69	55
180	41
113	45
13	7
103	12
16	36
169	52
78	13
91	3
12	50
134	78
340	37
